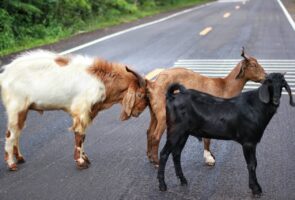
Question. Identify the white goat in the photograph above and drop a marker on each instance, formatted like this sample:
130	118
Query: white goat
80	85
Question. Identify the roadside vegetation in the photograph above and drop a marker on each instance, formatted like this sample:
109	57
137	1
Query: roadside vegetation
29	23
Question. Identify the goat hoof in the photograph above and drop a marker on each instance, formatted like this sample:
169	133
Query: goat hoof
211	164
12	167
156	165
209	158
257	191
86	159
183	181
163	187
20	160
257	196
82	165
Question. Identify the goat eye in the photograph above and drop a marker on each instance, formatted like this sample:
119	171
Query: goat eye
139	95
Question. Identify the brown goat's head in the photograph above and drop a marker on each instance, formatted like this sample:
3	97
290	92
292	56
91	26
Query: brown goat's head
250	69
135	100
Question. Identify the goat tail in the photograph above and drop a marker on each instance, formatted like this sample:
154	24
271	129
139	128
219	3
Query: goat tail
173	87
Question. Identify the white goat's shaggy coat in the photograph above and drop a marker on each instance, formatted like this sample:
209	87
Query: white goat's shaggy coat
51	86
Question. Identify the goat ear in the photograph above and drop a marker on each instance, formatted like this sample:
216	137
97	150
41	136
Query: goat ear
128	103
264	95
141	80
244	55
241	72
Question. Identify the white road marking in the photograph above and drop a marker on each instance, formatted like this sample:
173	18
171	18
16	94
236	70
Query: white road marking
133	28
205	31
237	7
220	68
226	15
291	21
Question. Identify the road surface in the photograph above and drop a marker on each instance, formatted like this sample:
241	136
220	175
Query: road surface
120	169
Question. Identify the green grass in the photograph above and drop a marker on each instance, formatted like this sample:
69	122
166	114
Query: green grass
94	24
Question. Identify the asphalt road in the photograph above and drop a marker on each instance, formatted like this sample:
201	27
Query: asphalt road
120	169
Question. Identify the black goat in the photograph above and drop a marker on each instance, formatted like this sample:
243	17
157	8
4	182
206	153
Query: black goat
242	119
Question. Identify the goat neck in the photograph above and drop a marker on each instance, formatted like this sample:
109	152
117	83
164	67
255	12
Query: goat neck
233	86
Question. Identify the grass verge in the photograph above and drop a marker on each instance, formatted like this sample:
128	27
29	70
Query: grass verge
96	23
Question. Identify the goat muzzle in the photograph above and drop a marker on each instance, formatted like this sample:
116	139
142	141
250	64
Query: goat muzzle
263	77
276	102
135	114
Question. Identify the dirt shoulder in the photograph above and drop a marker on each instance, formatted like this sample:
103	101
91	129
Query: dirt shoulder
290	6
82	38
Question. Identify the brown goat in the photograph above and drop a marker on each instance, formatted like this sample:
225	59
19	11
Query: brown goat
78	85
229	86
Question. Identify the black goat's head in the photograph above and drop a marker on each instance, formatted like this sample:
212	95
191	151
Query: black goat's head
271	89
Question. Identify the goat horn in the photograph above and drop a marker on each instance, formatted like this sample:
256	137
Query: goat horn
286	85
284	73
141	81
244	55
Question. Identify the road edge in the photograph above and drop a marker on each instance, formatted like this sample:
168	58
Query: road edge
287	14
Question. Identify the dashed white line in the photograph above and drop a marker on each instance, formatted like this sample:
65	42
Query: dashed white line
226	15
205	31
133	28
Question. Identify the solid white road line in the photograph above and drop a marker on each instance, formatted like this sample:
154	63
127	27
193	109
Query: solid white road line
231	1
291	21
133	28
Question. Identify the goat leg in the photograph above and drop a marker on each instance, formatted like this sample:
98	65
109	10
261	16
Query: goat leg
163	160
9	156
249	151
209	157
150	131
161	126
79	155
176	160
85	157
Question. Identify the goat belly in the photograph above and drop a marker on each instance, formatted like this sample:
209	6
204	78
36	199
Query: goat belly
211	135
